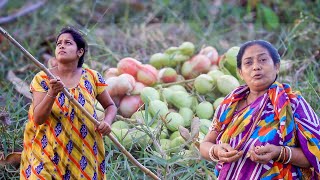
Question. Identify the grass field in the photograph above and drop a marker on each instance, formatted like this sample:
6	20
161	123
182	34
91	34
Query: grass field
140	28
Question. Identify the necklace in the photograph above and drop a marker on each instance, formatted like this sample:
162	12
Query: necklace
246	98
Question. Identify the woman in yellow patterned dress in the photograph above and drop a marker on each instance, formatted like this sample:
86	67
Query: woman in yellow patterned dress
59	141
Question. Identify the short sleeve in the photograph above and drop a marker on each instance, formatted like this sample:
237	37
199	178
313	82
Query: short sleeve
39	83
99	81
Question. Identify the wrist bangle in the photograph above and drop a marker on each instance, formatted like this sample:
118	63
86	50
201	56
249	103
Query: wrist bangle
53	97
285	155
279	157
212	156
290	154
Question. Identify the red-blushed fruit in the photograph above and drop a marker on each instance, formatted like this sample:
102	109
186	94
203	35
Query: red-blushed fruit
186	70
129	65
167	75
117	99
197	65
201	63
129	105
214	67
211	53
129	78
111	72
147	74
138	88
120	85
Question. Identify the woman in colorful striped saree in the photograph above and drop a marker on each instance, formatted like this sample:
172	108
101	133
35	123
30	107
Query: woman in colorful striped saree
263	130
59	141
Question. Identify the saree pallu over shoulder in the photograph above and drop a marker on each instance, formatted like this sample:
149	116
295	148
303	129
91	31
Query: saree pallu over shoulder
286	119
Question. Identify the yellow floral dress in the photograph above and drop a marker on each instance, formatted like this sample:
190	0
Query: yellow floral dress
66	145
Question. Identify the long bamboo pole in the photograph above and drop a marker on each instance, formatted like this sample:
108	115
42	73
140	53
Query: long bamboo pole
78	105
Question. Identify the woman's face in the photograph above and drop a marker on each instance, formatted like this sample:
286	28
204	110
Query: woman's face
257	68
67	50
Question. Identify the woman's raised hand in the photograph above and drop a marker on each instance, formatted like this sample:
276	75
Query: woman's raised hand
56	86
263	154
226	153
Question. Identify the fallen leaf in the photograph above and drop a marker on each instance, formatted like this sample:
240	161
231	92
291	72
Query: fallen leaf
197	145
21	86
4	117
184	132
195	127
13	159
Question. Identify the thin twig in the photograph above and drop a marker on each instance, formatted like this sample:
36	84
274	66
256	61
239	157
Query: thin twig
23	11
178	82
300	70
4	57
133	121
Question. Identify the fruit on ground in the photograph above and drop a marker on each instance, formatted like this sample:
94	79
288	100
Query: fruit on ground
174	120
149	94
227	83
129	65
203	84
204	110
158	108
120	125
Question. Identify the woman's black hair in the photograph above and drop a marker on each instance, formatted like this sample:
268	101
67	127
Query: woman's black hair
271	49
78	38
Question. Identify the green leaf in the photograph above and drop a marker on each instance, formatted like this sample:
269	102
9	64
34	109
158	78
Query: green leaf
270	17
4	142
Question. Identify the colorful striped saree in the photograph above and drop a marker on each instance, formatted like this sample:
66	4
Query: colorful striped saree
286	120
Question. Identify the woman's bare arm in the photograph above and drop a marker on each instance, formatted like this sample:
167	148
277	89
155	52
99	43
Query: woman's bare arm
265	153
110	111
42	102
207	143
108	106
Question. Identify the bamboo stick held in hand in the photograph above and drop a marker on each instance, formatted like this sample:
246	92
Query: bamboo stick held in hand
78	105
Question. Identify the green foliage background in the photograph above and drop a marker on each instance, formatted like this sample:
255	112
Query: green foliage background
140	28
